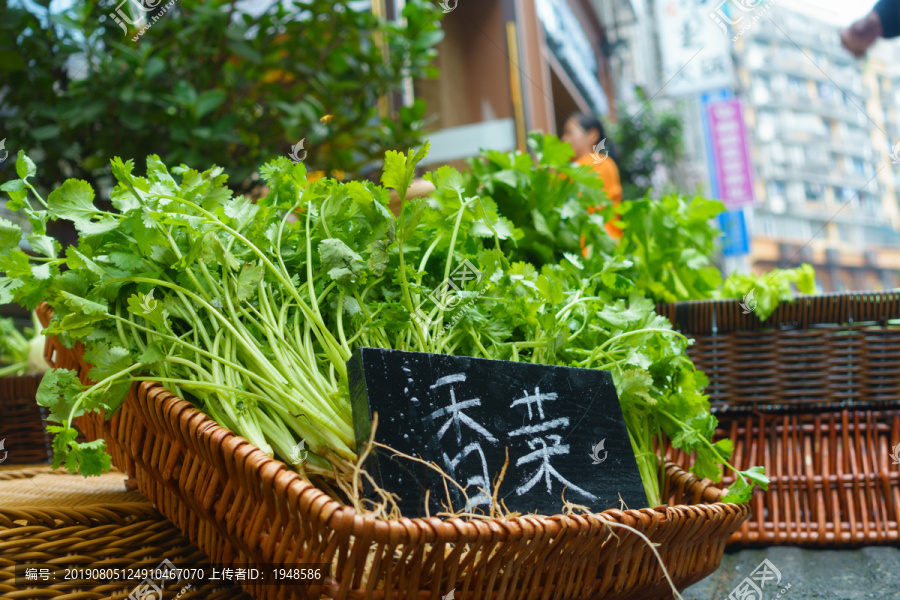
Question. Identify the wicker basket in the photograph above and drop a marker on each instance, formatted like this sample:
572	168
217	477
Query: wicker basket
70	524
813	394
240	506
22	422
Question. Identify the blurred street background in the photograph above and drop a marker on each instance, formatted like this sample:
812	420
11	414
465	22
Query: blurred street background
818	125
754	102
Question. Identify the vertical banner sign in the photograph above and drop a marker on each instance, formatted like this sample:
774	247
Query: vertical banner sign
731	154
696	55
706	99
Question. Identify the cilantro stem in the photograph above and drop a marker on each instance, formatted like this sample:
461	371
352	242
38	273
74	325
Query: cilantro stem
431	247
252	350
36	195
575	302
488	223
639	331
14	369
322	331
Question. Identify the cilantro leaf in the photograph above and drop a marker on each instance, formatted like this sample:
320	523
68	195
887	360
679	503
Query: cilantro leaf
24	165
59	390
74	200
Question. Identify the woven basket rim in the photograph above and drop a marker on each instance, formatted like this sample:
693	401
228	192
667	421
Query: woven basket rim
866	295
197	425
801	313
427	529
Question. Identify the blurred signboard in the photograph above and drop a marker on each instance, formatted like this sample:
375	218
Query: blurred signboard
728	134
570	45
735	238
696	53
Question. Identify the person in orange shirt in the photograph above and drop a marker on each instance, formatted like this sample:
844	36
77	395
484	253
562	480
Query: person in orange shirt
585	133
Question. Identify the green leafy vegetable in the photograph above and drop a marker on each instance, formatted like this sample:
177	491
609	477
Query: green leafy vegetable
250	310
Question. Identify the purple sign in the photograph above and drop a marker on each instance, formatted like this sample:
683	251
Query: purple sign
730	153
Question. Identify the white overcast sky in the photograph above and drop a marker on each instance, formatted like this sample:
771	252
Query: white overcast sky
839	12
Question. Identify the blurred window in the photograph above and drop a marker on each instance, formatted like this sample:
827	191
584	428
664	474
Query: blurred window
761	95
796	193
815	192
821	60
797	87
827	91
767	125
847	194
755	57
843	232
776	190
777	204
819	229
776	152
870	203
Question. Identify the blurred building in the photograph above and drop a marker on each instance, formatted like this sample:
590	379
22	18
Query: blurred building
825	185
509	67
820	128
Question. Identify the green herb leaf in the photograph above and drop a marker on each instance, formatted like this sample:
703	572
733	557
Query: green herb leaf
24	165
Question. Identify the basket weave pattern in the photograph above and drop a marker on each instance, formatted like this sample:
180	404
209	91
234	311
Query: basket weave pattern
21	424
240	506
121	536
790	393
836	348
833	481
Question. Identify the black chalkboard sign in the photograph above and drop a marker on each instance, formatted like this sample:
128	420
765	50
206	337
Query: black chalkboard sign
563	427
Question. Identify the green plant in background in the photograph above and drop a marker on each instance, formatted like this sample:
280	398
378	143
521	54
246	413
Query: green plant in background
545	196
13	349
644	141
210	82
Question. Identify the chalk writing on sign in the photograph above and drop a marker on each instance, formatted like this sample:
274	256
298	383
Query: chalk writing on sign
474	417
537	438
481	479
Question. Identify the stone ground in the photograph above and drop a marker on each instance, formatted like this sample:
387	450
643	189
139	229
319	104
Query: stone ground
867	573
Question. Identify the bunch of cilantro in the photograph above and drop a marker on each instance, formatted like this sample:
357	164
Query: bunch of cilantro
566	314
666	244
250	310
214	296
